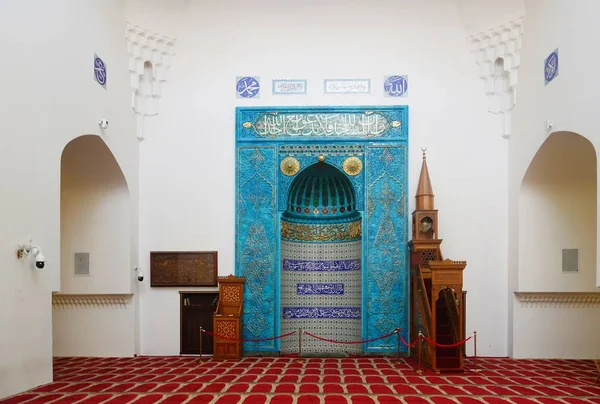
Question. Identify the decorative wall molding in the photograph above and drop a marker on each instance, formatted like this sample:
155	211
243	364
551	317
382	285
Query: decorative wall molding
559	299
117	301
150	57
498	54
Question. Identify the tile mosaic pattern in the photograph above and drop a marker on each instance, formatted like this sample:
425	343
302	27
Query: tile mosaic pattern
328	315
255	250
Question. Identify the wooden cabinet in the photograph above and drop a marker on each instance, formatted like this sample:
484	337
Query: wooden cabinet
227	319
196	310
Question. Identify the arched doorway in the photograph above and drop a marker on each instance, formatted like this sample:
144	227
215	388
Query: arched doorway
321	253
557	252
91	314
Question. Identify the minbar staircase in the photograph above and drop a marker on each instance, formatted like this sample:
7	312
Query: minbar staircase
441	321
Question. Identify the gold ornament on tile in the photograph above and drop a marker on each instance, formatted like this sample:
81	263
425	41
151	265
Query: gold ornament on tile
247	125
352	166
396	124
290	166
321	158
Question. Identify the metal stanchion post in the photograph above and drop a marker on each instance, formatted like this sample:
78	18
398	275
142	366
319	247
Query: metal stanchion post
299	342
201	335
475	351
420	340
398	335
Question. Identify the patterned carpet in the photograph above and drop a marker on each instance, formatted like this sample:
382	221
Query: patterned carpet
178	380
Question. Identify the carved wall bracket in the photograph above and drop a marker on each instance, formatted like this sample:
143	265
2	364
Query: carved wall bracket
498	54
150	57
559	299
117	301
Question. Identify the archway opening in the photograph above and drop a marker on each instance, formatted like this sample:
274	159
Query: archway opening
557	217
321	261
95	253
447	329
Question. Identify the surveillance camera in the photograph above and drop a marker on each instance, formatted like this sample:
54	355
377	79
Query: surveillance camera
140	274
40	261
103	123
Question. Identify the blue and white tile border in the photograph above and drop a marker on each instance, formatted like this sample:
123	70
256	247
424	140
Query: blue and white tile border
321	266
289	86
321	312
319	289
347	86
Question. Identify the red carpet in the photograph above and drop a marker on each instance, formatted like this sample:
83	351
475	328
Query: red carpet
179	380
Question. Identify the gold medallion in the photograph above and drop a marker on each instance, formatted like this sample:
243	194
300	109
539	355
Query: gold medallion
352	166
290	166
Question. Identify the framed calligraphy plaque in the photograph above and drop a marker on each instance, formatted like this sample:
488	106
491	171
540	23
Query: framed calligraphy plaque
183	268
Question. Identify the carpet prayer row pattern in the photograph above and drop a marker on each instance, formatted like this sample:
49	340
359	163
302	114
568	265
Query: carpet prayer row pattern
254	380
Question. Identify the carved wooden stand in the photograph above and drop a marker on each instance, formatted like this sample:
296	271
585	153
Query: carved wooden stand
227	319
437	300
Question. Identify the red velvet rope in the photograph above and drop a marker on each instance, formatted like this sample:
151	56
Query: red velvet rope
414	344
348	342
445	345
248	340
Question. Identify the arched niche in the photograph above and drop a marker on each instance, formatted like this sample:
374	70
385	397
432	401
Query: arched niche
94	220
558	216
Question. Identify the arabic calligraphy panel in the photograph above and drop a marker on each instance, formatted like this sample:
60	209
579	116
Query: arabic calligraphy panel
331	124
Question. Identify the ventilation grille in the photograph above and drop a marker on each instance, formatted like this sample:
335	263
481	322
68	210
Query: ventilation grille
82	264
570	260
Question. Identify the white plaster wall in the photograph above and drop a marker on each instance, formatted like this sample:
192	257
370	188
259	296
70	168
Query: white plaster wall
483	15
50	97
93	331
187	160
568	102
557	331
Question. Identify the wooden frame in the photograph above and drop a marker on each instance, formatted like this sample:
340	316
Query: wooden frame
183	268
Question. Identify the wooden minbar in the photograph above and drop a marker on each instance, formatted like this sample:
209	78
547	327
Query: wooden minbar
227	319
437	299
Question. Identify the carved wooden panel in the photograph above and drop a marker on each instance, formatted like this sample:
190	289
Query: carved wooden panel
447	278
183	268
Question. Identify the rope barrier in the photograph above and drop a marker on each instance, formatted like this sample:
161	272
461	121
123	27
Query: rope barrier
445	345
349	342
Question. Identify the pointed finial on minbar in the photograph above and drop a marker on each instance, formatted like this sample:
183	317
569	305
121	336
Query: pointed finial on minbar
424	197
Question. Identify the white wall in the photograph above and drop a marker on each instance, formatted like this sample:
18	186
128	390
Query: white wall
93	330
557	209
557	331
568	102
187	159
50	97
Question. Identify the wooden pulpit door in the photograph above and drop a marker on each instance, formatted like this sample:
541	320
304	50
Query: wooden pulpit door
196	311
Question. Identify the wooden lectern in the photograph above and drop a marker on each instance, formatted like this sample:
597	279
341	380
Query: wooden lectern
227	319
